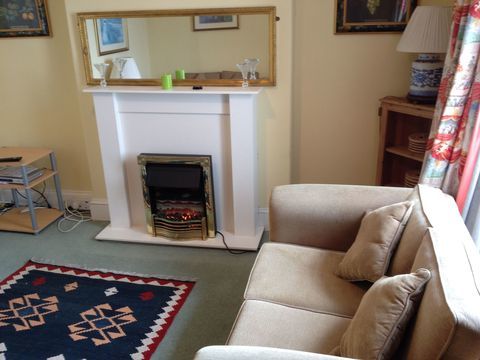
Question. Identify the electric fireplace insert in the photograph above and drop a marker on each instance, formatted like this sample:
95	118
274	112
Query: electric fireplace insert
178	195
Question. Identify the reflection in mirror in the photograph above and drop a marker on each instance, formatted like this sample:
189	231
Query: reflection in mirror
141	46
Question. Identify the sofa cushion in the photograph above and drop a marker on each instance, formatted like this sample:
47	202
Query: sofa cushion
414	231
256	353
261	323
381	319
447	324
369	256
302	277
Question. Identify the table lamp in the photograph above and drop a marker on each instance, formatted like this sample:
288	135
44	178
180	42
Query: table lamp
427	33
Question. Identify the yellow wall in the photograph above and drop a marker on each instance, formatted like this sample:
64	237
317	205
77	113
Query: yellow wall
338	80
39	106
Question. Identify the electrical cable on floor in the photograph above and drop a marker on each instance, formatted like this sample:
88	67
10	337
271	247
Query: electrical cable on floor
74	216
234	252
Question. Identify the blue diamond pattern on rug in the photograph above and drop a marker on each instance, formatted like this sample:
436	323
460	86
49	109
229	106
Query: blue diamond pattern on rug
102	324
27	311
58	312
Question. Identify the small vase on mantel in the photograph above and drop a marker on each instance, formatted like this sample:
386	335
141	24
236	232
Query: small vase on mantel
252	63
244	69
102	69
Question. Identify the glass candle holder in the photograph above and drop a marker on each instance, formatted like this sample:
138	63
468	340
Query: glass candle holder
102	69
244	69
252	63
119	63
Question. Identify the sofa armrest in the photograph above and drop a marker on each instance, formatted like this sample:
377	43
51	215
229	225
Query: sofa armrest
325	216
258	353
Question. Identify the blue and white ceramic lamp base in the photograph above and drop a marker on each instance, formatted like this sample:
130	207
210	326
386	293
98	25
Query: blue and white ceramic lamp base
426	74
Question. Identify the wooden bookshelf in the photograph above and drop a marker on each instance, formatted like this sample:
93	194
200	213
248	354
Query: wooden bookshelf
400	118
403	151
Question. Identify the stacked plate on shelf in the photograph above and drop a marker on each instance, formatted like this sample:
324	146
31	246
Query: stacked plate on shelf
411	178
417	142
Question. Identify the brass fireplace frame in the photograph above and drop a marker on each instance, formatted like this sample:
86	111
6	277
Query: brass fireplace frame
205	161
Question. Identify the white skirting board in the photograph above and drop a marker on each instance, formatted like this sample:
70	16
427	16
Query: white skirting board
99	209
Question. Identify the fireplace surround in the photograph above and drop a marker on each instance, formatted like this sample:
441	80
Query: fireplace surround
219	121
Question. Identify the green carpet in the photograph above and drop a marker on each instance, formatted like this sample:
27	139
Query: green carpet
210	310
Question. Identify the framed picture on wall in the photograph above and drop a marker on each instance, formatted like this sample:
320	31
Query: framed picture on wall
112	35
372	16
20	18
215	22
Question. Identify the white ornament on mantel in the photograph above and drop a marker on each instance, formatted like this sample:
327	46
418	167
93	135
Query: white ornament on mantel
216	121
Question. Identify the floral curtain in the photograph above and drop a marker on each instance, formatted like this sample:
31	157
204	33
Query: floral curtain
457	107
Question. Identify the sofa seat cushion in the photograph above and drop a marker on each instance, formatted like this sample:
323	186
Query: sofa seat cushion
303	277
261	323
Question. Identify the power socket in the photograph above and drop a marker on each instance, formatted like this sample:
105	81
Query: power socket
79	204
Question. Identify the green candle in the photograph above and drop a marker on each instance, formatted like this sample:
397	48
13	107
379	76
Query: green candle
180	74
167	81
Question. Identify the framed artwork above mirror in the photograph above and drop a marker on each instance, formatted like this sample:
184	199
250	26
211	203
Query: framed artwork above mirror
152	43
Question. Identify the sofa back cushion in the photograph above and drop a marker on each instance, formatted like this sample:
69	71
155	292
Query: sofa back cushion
369	256
447	324
377	327
412	236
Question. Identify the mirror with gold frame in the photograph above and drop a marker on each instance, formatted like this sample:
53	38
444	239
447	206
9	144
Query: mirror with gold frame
141	46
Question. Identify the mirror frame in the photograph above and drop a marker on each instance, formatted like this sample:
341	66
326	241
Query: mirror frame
270	11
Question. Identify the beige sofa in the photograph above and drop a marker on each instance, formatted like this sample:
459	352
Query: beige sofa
296	307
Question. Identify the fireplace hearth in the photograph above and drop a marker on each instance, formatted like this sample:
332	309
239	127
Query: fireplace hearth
178	195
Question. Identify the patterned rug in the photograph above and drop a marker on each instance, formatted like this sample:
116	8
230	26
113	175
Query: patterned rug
58	312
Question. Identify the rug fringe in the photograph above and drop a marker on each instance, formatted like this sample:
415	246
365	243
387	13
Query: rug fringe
84	267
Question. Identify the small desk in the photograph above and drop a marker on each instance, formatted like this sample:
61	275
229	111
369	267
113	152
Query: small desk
33	220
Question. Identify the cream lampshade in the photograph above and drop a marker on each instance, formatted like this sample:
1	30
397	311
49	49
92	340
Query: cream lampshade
427	34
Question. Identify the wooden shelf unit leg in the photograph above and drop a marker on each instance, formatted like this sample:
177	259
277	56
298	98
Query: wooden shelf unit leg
28	193
31	208
15	197
56	180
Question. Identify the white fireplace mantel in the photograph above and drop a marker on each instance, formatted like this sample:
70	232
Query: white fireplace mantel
216	121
